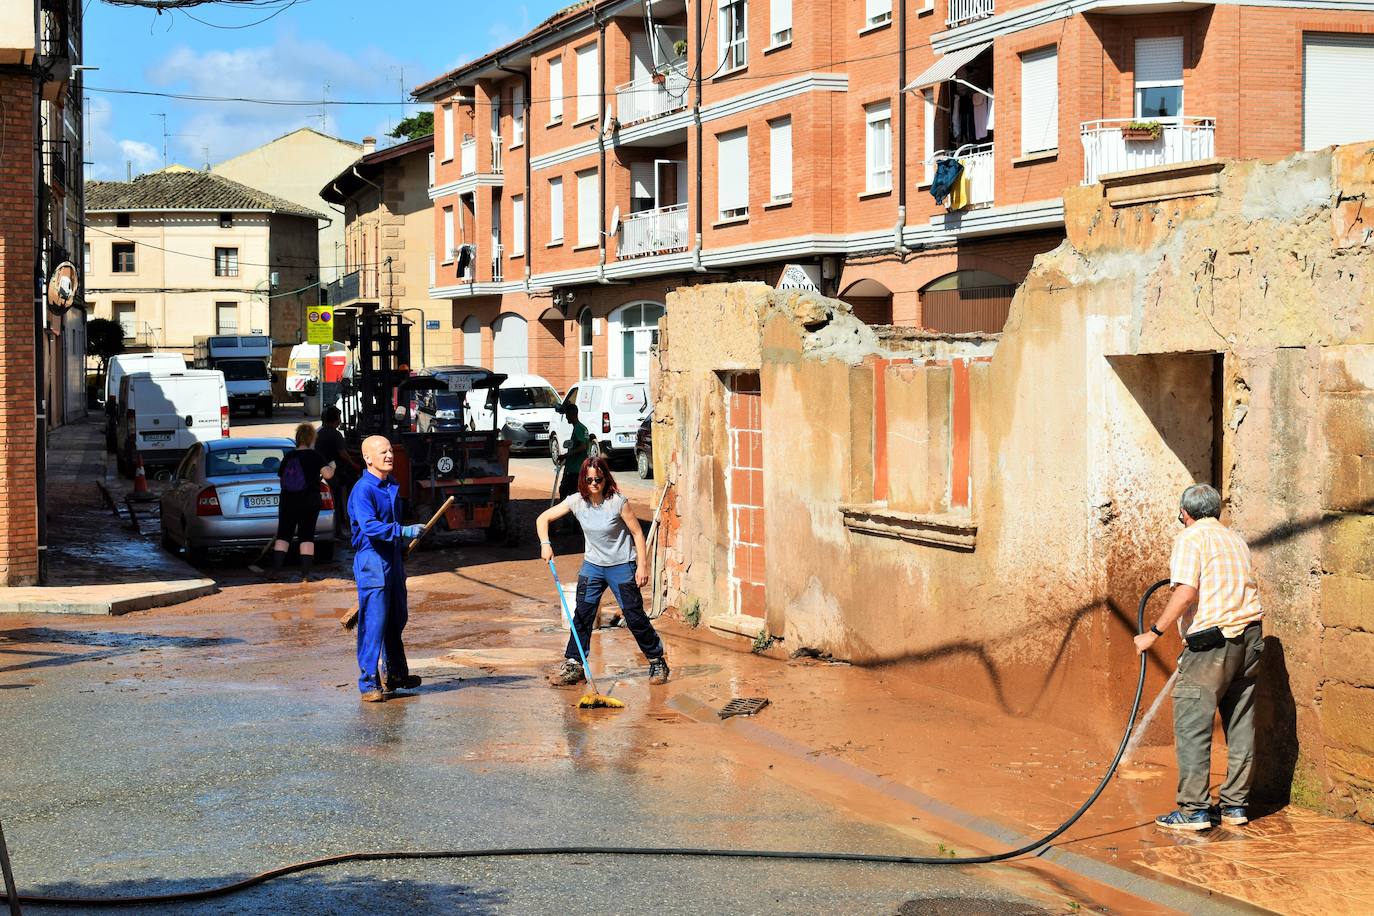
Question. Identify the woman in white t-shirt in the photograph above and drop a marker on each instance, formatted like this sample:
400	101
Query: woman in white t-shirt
615	557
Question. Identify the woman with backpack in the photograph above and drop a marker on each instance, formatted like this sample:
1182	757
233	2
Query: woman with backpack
301	471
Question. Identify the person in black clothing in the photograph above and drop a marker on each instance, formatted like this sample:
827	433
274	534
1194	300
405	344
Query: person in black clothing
329	442
301	471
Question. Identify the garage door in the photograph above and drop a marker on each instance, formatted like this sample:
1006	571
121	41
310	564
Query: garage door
511	345
1337	72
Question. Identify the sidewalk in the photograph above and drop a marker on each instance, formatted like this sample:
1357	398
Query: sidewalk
96	563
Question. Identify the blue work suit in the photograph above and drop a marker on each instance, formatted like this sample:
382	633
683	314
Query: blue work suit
379	570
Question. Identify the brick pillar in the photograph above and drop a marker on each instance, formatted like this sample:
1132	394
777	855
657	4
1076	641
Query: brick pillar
18	505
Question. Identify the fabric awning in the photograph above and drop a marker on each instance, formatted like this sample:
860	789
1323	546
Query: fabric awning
945	67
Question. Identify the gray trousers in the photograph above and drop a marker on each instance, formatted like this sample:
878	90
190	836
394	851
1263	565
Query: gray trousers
1217	680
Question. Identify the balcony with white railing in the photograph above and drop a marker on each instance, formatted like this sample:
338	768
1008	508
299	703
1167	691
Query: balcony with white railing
1125	144
467	154
497	272
496	167
643	100
962	11
978	165
654	232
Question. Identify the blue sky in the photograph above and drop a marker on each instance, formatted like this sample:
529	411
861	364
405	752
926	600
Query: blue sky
360	48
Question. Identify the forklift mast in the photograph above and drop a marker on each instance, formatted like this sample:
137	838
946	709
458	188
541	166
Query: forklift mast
381	362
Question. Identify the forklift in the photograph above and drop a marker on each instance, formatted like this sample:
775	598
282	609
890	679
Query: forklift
379	396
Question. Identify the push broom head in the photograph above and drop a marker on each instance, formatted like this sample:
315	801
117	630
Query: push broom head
597	701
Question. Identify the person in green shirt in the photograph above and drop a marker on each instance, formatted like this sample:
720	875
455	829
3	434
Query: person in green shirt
578	448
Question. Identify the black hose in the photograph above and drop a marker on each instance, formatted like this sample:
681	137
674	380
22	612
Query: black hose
515	851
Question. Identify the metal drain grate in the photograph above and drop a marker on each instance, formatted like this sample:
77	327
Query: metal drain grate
742	706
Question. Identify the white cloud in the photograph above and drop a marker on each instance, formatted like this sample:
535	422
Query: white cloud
113	158
142	155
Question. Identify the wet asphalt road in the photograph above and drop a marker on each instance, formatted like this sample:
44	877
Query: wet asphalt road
171	750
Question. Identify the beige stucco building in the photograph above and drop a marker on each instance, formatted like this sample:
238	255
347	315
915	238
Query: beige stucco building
294	167
389	244
177	254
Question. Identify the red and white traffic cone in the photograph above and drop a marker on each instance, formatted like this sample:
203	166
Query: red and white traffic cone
140	479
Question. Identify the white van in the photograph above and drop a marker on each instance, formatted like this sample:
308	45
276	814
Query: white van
526	407
305	364
121	366
161	415
610	408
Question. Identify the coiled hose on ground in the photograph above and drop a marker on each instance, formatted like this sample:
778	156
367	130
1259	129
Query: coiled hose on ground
533	851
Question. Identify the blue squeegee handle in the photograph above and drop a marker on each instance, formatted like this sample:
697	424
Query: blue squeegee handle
572	626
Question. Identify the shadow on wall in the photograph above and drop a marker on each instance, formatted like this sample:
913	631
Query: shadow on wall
1276	725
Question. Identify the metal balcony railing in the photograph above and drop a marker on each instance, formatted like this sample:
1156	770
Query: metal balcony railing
961	11
654	231
139	334
467	157
1108	145
497	272
978	164
496	167
344	289
645	99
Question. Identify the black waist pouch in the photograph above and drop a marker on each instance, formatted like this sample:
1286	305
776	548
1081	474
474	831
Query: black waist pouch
1202	640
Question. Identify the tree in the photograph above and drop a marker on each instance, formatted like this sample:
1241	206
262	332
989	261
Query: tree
104	339
413	128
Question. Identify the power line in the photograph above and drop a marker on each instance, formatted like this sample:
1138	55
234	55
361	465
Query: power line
208	257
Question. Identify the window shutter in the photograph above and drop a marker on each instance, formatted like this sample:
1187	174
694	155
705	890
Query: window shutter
642	58
733	171
446	112
878	10
1158	60
780	159
780	16
588	213
928	133
587	95
1336	72
879	171
1040	101
517	218
448	234
556	89
556	210
472	341
517	113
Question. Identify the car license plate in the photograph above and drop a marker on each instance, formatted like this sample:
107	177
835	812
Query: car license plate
157	437
259	502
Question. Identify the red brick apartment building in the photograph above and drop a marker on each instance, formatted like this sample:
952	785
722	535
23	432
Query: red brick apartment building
626	147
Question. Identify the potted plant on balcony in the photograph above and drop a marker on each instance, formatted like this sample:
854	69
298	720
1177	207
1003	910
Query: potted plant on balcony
311	390
680	48
1142	131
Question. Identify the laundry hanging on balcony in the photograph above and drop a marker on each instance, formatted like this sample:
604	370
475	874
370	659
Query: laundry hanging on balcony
947	173
982	116
961	194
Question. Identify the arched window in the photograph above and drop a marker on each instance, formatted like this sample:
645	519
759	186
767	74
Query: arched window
967	301
510	345
472	341
636	326
584	344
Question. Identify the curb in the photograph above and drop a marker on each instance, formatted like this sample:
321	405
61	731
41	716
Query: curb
99	600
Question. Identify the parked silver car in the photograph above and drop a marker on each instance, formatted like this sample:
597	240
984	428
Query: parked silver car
224	494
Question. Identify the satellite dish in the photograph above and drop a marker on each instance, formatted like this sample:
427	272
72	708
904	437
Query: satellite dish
63	286
615	222
609	123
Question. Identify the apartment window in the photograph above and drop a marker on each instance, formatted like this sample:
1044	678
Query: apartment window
517	218
588	98
879	144
226	262
733	174
517	115
877	12
226	317
780	22
448	235
124	314
555	211
1158	77
585	336
734	34
122	257
446	112
226	221
588	209
86	259
555	90
1334	68
1040	101
122	221
780	159
928	134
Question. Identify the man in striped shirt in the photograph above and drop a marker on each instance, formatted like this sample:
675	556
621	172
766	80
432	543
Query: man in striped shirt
1217	607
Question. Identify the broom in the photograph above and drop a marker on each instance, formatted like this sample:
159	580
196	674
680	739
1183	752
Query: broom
595	699
350	620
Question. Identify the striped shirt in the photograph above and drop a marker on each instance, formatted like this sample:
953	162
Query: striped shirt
1216	561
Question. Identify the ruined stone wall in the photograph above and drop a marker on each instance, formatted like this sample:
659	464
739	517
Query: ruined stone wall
990	512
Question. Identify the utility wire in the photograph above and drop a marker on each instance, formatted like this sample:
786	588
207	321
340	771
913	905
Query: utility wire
209	257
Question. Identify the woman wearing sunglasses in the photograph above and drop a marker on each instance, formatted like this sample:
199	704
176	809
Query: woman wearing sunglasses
615	557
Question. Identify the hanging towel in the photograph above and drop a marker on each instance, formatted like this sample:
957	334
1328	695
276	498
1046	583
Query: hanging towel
982	117
959	194
947	172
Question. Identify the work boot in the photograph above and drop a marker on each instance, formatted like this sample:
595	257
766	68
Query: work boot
568	673
273	571
307	563
373	696
409	682
658	670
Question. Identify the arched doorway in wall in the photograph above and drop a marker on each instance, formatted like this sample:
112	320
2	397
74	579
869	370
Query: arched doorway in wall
510	345
870	300
586	332
633	333
472	341
967	301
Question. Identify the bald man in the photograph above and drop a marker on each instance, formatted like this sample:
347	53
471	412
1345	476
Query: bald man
379	569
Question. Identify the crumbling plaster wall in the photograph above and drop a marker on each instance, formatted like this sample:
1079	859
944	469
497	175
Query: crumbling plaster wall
1208	323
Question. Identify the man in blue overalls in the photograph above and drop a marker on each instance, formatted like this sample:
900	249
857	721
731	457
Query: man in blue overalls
379	569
